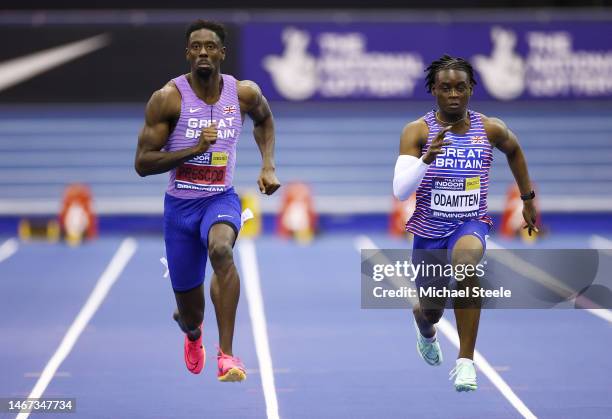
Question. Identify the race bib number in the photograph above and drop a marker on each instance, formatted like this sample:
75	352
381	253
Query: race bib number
205	172
455	198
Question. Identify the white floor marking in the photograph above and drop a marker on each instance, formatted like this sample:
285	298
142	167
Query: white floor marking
250	274
105	282
538	275
8	249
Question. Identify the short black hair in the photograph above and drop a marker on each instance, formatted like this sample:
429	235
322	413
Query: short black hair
216	27
446	62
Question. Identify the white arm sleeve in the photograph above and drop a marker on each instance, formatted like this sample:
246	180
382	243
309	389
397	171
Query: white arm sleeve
409	172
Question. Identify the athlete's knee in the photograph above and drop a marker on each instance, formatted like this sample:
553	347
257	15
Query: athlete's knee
466	269
466	257
468	251
221	253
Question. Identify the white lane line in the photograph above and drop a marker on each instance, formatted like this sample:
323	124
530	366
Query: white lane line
444	326
8	249
540	276
604	246
602	313
528	270
105	282
250	273
601	243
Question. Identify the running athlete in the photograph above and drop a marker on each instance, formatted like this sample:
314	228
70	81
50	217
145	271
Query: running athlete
192	126
445	157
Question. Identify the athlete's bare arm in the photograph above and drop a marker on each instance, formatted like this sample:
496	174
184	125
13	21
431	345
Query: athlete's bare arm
505	140
254	104
162	111
414	137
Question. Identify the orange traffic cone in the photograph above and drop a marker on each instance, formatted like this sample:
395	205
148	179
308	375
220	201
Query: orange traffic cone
297	217
400	213
77	218
512	218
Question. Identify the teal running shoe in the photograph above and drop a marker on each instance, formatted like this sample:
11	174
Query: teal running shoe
430	352
464	374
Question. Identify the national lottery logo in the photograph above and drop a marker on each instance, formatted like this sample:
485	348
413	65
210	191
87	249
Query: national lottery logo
341	68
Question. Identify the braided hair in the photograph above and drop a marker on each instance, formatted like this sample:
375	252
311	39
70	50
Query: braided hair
446	62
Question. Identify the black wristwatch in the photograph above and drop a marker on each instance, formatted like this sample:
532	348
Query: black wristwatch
528	196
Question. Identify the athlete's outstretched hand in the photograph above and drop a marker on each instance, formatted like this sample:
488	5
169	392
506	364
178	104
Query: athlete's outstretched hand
529	214
268	182
207	138
436	145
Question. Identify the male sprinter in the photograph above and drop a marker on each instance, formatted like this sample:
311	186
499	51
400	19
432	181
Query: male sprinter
453	145
191	129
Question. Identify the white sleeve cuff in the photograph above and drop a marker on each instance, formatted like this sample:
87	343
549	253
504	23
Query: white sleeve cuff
409	172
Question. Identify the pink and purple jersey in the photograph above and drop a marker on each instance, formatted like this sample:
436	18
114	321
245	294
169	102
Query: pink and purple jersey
211	172
456	183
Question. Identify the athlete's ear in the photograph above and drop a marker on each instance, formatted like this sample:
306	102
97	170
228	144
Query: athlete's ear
222	53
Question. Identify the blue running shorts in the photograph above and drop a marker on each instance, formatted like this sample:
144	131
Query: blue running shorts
446	244
186	226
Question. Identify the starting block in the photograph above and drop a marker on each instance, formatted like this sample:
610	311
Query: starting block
39	229
251	226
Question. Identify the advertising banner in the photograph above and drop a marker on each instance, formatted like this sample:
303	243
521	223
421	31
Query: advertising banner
93	63
374	60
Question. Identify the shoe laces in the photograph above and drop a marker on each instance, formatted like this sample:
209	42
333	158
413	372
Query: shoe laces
222	356
455	371
429	346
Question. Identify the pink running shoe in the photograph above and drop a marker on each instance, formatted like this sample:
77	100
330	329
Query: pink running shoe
195	354
230	368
